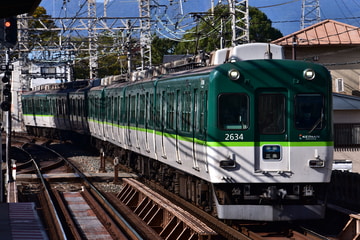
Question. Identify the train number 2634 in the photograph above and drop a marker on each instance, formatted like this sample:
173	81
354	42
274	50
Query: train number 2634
234	136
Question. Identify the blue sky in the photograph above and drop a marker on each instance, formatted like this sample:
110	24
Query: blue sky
286	17
285	14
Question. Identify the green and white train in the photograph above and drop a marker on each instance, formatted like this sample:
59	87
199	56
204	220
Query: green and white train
247	139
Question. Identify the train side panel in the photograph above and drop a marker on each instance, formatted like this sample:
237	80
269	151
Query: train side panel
115	126
96	113
138	118
37	112
181	107
78	112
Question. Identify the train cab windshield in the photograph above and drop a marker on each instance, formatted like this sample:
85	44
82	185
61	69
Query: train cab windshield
233	111
309	111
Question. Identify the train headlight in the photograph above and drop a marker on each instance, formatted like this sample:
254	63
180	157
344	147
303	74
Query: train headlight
309	74
234	74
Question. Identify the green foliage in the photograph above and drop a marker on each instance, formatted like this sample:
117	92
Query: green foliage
161	47
44	37
207	35
110	60
260	27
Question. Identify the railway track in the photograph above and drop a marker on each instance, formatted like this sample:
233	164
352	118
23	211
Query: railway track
140	207
73	214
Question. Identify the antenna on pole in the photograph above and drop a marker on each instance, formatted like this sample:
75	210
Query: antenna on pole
310	13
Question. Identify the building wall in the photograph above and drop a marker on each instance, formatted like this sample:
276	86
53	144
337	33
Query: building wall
346	116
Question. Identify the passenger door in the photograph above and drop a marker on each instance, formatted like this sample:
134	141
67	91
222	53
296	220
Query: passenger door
271	135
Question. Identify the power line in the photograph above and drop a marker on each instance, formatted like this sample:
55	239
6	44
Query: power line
294	21
279	4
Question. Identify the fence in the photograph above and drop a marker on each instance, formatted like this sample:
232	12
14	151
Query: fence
347	137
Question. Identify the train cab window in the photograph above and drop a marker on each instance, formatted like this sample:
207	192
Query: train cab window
271	113
309	111
233	111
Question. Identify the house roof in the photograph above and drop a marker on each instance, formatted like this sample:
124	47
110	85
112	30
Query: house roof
345	102
327	32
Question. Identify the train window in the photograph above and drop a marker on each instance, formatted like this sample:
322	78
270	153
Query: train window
186	112
142	105
151	110
132	108
78	111
271	112
66	110
202	109
170	110
196	110
37	106
46	107
73	108
233	111
121	115
163	110
59	109
26	106
108	109
309	111
81	107
116	109
97	109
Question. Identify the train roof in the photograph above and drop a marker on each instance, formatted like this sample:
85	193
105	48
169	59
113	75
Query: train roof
119	85
188	72
195	71
67	87
47	92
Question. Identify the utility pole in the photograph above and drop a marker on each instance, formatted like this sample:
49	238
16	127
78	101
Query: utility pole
6	107
310	13
8	39
145	34
93	46
239	11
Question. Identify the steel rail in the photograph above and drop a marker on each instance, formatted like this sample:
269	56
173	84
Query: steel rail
52	208
125	224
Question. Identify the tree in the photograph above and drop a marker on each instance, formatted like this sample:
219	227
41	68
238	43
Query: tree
207	35
161	47
260	27
40	20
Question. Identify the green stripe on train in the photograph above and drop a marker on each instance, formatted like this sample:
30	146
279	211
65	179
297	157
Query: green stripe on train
227	144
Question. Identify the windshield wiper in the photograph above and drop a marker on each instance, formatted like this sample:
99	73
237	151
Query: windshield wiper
317	122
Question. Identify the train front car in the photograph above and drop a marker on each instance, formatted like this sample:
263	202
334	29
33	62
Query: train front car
270	139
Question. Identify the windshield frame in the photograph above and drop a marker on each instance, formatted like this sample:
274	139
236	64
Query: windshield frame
233	111
309	111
